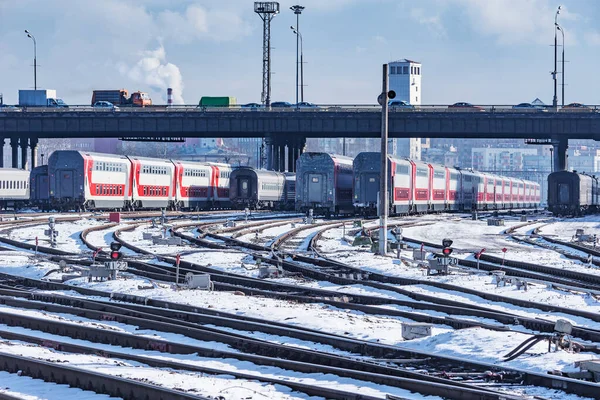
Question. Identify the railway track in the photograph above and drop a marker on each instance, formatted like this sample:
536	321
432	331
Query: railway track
81	378
251	350
105	312
238	282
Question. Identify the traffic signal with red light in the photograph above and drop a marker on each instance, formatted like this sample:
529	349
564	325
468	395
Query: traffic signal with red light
446	249
115	254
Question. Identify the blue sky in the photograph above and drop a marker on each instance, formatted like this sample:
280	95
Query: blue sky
481	51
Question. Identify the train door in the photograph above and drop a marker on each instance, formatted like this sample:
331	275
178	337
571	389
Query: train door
244	188
371	187
315	188
41	187
66	183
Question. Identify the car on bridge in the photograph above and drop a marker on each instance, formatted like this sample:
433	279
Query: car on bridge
577	107
306	104
252	106
106	105
463	106
528	107
400	104
281	104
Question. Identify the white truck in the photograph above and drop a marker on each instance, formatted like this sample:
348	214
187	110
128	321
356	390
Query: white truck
40	98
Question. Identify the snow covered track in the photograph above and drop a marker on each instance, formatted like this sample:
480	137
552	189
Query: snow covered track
319	362
88	380
383	375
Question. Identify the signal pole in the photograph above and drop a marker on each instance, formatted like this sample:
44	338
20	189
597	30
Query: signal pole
383	208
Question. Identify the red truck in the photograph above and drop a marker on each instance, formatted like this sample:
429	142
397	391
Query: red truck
120	97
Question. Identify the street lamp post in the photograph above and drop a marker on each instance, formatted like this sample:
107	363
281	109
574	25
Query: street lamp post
555	99
562	68
29	35
299	35
297	9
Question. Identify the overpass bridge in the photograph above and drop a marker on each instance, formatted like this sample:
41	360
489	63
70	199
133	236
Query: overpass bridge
286	129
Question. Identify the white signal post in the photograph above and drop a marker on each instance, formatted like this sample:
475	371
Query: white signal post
504	250
383	209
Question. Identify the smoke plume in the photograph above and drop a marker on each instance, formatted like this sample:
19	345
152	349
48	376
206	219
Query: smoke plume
154	71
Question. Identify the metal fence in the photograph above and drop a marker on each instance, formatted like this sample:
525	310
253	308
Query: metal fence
332	108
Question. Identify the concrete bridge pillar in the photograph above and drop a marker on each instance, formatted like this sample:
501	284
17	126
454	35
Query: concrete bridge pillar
281	156
14	144
23	142
33	143
560	147
269	152
1	152
290	154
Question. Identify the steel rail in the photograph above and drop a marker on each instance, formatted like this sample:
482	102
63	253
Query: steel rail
128	389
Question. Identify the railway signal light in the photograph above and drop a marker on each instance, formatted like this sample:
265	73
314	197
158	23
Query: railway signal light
115	254
446	249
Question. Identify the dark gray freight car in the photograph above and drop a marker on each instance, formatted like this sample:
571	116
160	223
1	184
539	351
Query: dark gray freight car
572	193
324	184
261	189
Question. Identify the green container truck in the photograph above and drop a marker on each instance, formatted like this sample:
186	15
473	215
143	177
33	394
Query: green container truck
217	101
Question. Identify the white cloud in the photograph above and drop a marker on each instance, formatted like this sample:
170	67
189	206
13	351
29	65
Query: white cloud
197	23
432	22
153	70
515	21
593	38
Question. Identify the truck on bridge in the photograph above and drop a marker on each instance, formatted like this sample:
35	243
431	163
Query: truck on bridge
207	101
40	98
120	97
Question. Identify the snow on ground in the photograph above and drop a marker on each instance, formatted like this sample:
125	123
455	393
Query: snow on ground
135	237
68	234
466	344
26	388
193	381
22	264
564	229
472	236
198	383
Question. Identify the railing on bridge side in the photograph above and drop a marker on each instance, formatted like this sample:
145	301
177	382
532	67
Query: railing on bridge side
332	108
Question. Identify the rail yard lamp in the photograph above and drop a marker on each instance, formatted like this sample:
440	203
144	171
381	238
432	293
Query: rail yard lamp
555	99
298	34
297	9
29	35
562	68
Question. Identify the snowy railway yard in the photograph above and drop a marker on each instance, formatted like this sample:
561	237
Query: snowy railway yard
295	311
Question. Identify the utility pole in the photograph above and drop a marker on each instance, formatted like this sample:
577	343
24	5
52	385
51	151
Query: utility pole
562	69
297	9
29	35
266	10
555	98
383	209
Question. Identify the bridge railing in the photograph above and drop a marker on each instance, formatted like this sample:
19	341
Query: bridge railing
333	108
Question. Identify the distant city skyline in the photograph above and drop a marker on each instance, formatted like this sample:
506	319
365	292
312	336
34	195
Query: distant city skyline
492	51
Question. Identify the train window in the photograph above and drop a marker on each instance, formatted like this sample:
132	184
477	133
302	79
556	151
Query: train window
439	174
421	172
245	185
